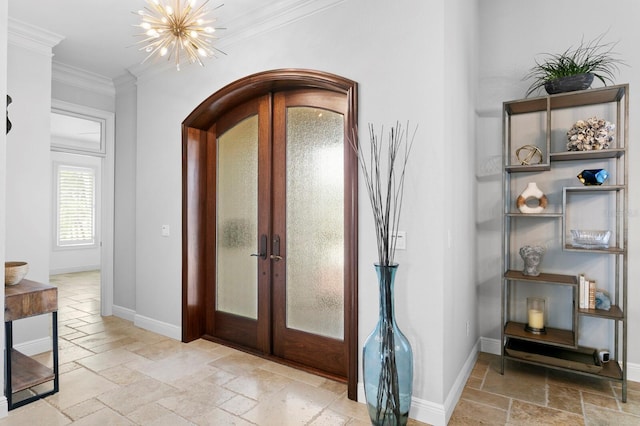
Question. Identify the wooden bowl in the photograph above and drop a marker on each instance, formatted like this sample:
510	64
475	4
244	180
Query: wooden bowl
14	272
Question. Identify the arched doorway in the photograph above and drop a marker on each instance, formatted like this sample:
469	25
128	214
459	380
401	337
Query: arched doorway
269	264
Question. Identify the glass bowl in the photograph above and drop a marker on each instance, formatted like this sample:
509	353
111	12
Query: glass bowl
590	239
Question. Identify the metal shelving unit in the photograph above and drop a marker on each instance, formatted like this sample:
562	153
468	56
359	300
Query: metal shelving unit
560	347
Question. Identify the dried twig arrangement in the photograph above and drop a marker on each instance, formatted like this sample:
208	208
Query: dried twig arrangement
383	168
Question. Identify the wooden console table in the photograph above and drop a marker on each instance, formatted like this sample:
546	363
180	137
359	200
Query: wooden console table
23	300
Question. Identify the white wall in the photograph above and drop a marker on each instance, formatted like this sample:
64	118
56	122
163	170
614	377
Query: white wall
28	162
459	290
124	291
396	54
512	34
3	165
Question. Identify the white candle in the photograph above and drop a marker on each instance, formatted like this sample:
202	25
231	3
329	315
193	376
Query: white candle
536	319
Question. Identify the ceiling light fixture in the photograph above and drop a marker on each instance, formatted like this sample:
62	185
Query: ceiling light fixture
178	29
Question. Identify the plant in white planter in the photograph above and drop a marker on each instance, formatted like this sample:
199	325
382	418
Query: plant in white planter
575	68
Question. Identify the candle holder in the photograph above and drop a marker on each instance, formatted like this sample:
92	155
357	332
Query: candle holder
535	315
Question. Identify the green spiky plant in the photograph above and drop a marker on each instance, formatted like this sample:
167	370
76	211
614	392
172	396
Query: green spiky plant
593	57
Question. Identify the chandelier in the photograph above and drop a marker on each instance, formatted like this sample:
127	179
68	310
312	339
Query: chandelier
177	29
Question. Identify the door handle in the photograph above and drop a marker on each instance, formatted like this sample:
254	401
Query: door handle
275	249
262	250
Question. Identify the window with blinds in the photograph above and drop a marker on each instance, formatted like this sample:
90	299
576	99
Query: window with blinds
76	188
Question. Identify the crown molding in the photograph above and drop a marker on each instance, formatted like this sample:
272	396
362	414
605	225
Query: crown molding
82	79
270	17
124	81
32	38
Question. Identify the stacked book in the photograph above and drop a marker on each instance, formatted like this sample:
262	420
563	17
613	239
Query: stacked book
587	293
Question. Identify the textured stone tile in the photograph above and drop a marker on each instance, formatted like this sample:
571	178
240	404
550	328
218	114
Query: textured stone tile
84	408
105	416
238	405
523	413
564	398
335	387
217	417
596	416
329	418
259	385
474	382
296	404
127	398
292	373
486	398
80	385
578	381
154	414
600	400
479	371
106	360
38	413
161	349
519	381
238	363
632	406
70	352
472	413
122	375
347	407
98	339
191	403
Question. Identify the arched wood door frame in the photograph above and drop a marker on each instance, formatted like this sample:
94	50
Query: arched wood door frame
196	138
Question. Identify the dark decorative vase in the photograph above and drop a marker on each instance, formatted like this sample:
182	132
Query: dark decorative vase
570	83
387	361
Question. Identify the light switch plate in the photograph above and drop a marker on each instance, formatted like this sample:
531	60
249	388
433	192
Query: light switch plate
165	231
401	241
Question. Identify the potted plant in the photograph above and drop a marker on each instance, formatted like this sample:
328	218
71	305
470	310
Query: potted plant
575	68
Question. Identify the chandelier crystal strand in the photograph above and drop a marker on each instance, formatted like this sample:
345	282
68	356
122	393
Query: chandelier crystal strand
178	29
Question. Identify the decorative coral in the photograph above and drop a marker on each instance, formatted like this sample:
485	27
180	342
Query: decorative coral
591	134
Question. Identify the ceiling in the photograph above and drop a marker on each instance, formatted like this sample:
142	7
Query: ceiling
100	35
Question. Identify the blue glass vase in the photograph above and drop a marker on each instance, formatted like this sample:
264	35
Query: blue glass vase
387	361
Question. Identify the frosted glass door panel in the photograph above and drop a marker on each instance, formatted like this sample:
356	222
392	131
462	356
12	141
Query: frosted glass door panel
237	220
315	221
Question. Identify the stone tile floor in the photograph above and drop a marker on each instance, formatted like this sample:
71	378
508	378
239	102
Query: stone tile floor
530	395
112	373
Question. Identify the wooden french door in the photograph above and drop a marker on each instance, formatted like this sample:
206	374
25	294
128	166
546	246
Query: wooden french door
273	101
281	227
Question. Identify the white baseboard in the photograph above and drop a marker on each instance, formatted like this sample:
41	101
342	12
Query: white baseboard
458	386
73	269
490	346
633	372
124	313
4	407
34	347
169	330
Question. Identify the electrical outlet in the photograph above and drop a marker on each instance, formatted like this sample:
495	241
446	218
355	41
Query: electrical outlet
165	231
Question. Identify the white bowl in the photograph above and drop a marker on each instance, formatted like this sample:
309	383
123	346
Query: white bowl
590	239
